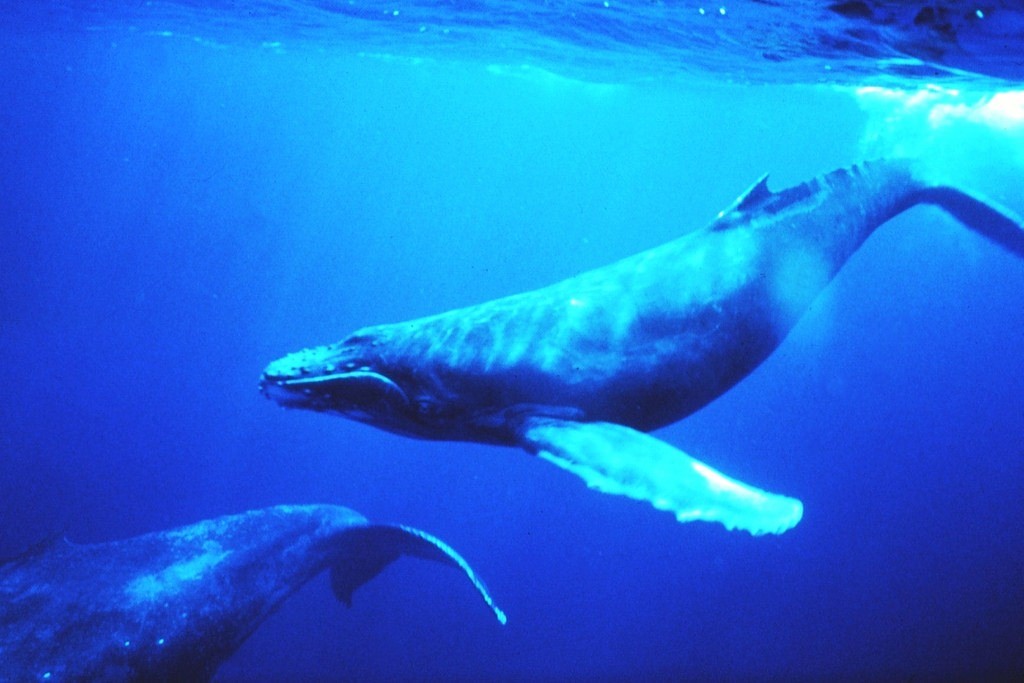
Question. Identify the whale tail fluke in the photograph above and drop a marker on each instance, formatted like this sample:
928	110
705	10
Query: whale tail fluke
367	550
998	224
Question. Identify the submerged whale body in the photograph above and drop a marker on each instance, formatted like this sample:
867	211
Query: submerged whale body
174	605
577	372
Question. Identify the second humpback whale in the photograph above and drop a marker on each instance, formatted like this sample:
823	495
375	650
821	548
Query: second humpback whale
578	371
174	605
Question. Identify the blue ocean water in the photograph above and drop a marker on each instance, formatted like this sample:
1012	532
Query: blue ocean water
188	191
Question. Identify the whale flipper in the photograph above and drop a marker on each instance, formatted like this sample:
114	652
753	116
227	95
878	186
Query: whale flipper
615	459
376	546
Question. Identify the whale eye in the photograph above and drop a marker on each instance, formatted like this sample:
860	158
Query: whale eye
427	407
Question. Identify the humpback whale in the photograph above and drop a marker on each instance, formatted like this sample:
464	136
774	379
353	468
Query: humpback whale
174	605
578	372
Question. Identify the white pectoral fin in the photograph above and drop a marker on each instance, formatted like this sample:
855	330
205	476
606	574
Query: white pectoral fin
622	461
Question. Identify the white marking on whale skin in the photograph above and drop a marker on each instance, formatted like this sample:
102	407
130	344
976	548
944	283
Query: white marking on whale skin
798	279
173	579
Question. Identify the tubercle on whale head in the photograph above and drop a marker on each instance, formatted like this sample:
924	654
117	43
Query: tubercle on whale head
352	378
333	376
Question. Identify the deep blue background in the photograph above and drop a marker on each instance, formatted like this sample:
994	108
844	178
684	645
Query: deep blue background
175	215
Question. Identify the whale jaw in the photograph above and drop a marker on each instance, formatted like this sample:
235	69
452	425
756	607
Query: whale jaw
360	391
337	378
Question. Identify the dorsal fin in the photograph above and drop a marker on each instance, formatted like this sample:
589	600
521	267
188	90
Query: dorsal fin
756	195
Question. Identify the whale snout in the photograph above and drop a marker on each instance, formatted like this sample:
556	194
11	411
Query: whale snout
319	379
286	380
286	393
305	363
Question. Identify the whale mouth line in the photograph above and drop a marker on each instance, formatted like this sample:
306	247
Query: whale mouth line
299	382
342	391
318	381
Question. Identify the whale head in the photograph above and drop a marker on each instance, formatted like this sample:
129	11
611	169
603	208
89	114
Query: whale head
353	378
